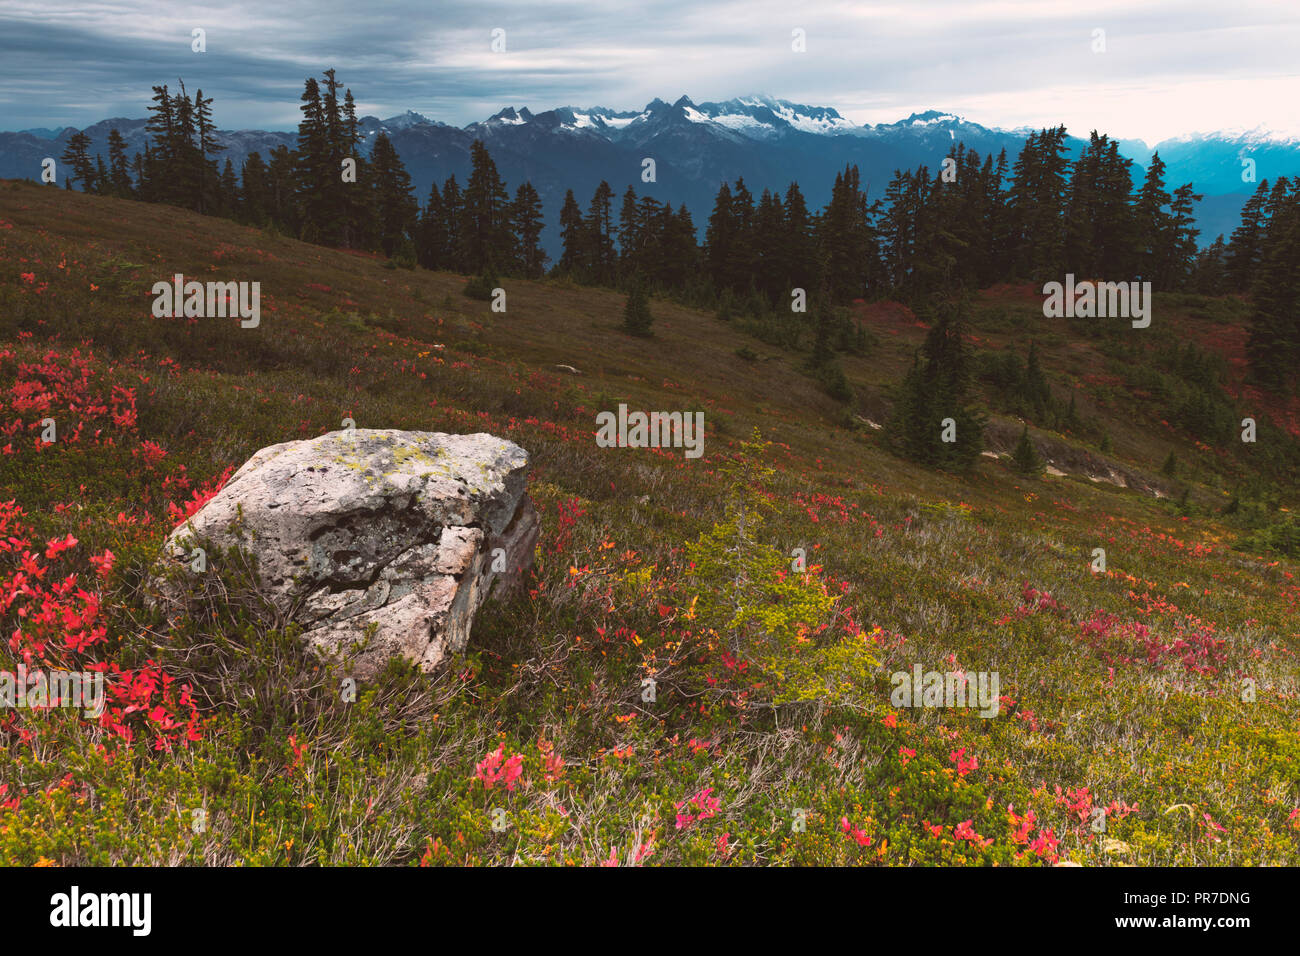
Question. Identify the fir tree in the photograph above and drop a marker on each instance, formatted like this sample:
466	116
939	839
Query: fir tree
77	155
311	167
1025	457
485	214
572	236
527	224
636	311
1242	257
598	230
210	189
452	226
119	172
1274	344
431	247
254	192
932	399
394	205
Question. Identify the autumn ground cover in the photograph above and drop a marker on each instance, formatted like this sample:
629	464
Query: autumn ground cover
670	689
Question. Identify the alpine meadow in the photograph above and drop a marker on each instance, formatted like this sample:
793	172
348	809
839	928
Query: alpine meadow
724	483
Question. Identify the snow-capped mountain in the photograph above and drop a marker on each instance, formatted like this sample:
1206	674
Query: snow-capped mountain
696	146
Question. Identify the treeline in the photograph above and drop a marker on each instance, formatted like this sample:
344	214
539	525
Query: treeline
972	222
1262	259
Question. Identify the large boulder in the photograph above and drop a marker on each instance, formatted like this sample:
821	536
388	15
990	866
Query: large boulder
392	531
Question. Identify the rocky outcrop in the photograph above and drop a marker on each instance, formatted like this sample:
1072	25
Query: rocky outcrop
380	543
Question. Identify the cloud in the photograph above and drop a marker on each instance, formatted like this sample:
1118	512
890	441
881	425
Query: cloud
1167	67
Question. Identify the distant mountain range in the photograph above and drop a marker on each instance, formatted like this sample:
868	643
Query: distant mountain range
697	146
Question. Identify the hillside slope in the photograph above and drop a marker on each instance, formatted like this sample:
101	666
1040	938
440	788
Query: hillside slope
1148	713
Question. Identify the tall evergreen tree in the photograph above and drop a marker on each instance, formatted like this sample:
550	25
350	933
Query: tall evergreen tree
358	225
1274	344
629	226
453	226
283	179
394	203
798	244
77	155
1154	224
431	243
312	166
156	183
527	224
598	228
572	259
1180	255
486	214
186	166
1036	206
254	193
720	239
228	192
1242	258
847	239
209	189
119	172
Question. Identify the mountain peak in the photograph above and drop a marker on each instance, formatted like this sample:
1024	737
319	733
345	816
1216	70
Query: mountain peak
931	117
406	120
511	117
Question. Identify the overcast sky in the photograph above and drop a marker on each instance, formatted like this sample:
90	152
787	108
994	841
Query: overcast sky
1168	68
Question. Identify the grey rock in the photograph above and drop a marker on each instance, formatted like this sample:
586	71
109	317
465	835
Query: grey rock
389	531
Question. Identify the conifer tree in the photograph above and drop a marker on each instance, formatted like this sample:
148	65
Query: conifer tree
847	239
485	231
119	172
770	267
186	167
157	184
228	192
680	256
431	247
394	204
1274	344
282	181
598	229
720	238
932	402
453	211
1242	258
1025	457
798	248
1180	255
1209	272
572	260
77	155
526	224
1154	225
629	232
1037	394
636	311
254	193
311	168
210	191
358	222
1036	204
649	249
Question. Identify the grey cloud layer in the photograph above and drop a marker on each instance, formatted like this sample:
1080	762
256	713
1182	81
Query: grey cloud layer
1003	62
